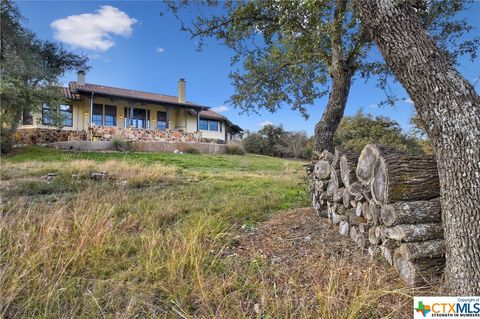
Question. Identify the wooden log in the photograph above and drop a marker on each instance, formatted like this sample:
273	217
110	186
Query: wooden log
423	249
363	228
373	251
348	165
380	232
353	232
320	185
365	209
358	209
326	197
359	197
404	177
366	164
387	249
372	236
344	228
353	203
355	189
337	218
338	195
418	212
373	213
319	208
417	232
333	183
336	157
346	198
419	271
325	156
322	170
353	219
361	240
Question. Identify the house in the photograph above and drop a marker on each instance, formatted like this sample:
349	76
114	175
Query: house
96	112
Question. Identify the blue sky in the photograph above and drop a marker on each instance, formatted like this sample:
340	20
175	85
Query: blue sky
131	45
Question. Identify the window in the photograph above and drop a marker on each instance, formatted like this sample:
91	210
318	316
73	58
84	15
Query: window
138	118
97	115
204	125
213	125
47	116
110	115
161	120
209	125
27	118
66	114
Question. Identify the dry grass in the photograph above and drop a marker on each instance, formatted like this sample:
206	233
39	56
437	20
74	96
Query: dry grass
159	241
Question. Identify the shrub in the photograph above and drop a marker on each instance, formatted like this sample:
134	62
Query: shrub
234	149
119	143
193	150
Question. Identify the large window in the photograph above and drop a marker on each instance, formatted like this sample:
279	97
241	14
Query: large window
209	125
27	118
47	115
110	115
139	118
161	120
97	115
66	115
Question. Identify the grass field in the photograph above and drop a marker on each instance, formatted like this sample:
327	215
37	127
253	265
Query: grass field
154	239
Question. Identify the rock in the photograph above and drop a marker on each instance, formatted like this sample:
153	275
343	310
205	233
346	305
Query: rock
99	176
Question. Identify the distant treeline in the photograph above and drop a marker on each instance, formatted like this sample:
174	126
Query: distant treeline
354	132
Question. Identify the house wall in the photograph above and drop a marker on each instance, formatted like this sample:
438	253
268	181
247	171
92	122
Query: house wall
178	118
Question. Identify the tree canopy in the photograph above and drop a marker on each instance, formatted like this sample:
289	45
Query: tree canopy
30	69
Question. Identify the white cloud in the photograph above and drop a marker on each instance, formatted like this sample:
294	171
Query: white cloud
374	106
93	31
408	101
159	50
220	109
262	124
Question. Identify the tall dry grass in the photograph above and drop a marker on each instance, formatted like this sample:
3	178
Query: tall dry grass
111	250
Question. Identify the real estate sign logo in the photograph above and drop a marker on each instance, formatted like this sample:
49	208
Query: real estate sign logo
446	307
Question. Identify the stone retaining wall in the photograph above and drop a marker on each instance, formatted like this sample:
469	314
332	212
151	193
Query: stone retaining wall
45	136
142	146
106	133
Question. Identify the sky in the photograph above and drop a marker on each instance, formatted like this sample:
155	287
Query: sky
131	45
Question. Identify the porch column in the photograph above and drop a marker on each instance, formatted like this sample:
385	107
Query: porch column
198	121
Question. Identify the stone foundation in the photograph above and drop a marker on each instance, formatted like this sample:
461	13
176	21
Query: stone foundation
45	136
106	133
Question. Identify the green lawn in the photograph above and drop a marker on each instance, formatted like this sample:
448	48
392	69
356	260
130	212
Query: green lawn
147	242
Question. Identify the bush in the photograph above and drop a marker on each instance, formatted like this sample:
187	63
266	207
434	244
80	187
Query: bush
193	150
119	143
6	141
234	149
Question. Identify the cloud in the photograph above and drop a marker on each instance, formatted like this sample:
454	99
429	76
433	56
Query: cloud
159	50
93	31
262	124
374	106
408	101
220	109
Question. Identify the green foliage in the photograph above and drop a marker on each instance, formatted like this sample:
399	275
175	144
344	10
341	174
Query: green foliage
30	69
119	143
235	149
354	132
193	150
286	52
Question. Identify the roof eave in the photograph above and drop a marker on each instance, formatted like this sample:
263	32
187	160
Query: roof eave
185	105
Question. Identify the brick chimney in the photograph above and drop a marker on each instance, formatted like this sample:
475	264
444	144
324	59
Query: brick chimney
181	90
81	77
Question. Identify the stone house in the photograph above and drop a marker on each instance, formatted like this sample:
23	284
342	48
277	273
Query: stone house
96	112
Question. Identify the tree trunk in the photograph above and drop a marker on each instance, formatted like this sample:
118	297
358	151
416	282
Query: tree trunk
450	107
325	129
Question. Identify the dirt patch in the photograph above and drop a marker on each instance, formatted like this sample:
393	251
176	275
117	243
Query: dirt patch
308	259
